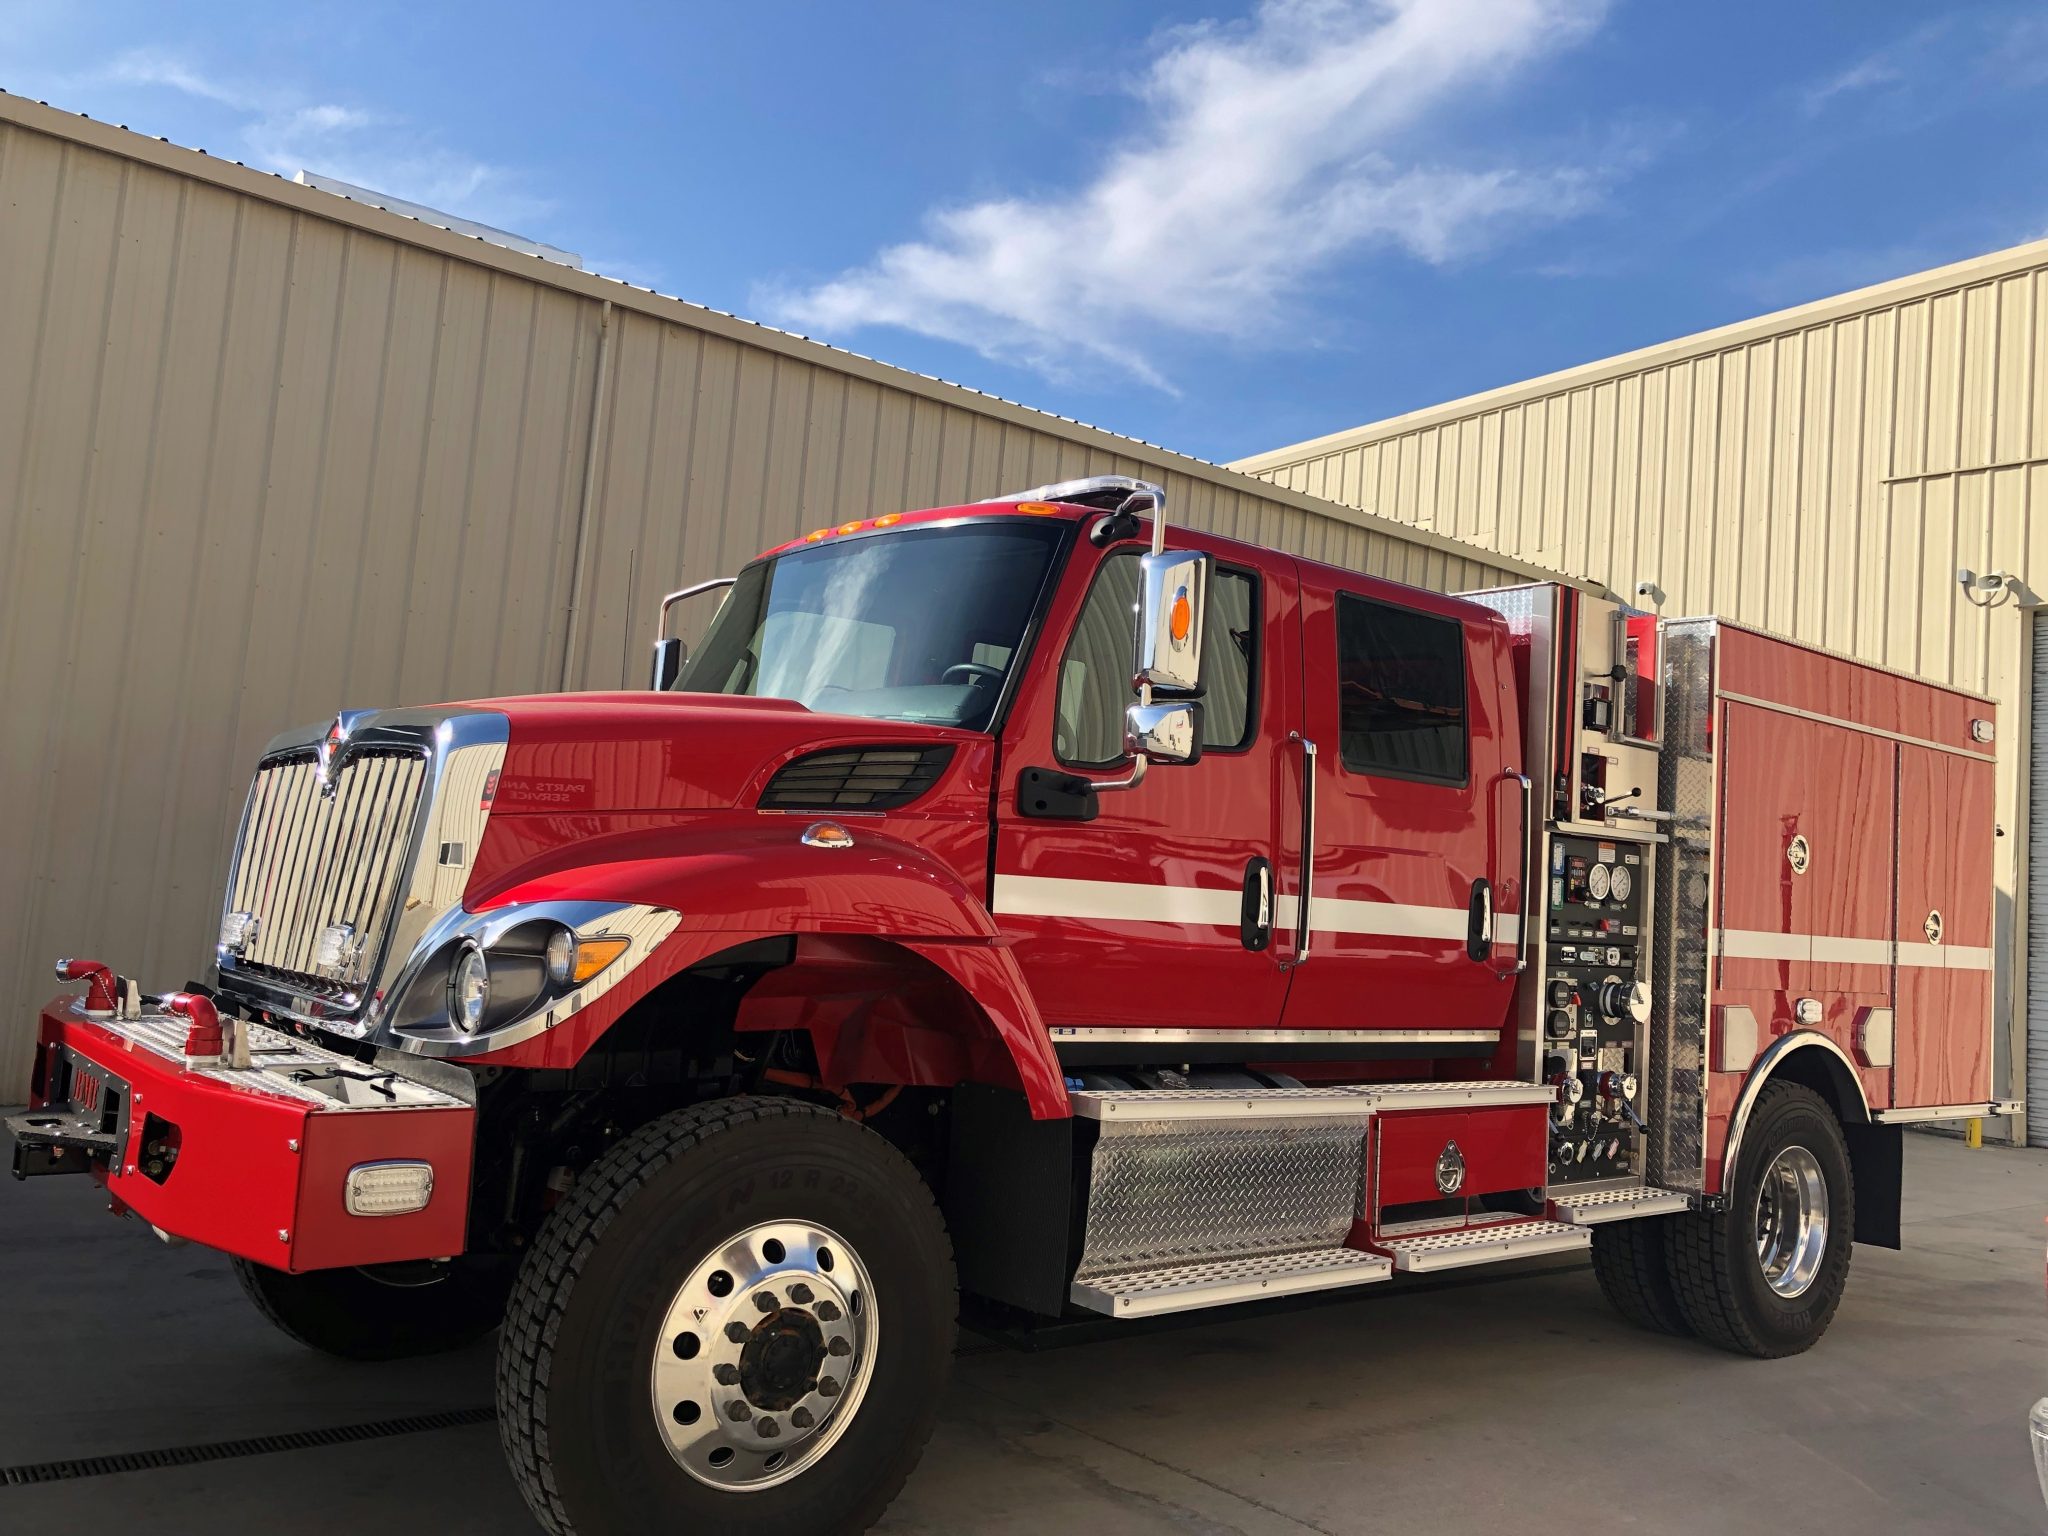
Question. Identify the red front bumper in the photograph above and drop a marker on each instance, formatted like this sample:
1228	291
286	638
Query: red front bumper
253	1161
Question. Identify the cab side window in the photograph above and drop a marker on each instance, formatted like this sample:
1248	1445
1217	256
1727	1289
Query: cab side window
1401	692
1095	671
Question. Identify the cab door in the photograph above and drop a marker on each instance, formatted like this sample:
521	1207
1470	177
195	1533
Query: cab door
1418	824
1150	909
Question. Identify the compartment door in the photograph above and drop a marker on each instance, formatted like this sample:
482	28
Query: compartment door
1946	837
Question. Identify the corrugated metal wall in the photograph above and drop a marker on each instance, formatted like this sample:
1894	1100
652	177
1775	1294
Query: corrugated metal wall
1822	473
265	454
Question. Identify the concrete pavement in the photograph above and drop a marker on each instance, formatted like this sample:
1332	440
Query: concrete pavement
1522	1404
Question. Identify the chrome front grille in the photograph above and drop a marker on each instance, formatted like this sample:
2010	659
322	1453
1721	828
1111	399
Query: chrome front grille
314	866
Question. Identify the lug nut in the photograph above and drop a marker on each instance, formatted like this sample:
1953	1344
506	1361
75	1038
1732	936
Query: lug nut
839	1347
768	1429
766	1301
726	1375
737	1332
827	1387
802	1418
828	1312
740	1412
801	1294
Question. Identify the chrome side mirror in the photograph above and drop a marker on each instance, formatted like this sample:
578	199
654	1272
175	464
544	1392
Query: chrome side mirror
669	656
1173	601
1164	733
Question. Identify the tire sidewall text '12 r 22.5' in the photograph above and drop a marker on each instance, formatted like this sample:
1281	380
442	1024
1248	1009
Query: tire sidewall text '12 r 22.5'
807	1237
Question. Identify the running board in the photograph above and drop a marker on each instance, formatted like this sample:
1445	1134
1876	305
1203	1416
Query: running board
1219	1282
1589	1210
1491	1244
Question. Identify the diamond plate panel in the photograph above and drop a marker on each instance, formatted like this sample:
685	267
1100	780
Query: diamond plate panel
1173	1192
1681	913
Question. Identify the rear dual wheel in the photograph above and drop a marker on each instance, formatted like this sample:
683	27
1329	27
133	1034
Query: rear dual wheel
1763	1275
740	1320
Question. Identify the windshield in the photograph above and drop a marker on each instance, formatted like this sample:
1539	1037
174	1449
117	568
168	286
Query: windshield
920	625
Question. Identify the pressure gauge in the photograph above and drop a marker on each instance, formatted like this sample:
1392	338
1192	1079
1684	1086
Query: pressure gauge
1621	882
1598	881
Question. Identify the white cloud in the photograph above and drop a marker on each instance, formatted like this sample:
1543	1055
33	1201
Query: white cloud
1866	75
284	132
1269	149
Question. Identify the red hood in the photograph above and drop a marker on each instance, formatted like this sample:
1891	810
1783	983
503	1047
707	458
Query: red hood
642	751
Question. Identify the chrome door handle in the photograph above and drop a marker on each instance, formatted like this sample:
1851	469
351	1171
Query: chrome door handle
1308	848
1522	894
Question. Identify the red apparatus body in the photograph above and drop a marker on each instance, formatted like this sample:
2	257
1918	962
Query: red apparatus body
1339	928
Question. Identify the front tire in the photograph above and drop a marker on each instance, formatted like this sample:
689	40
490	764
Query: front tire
1764	1275
384	1312
740	1320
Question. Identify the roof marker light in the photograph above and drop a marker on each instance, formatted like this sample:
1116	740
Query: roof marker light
851	527
888	519
1038	508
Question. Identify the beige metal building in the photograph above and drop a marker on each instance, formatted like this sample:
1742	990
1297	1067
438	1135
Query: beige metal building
1824	473
266	453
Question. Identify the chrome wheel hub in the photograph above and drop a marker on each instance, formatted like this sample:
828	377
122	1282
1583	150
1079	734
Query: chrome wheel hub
1792	1221
764	1355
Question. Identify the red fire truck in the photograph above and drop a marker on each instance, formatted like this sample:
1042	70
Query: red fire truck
924	936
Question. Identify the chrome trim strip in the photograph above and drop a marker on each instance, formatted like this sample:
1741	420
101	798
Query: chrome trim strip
1984	1109
643	927
1092	1035
1759	1076
1867	730
1144	1104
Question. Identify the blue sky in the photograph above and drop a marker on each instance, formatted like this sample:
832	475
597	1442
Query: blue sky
1223	227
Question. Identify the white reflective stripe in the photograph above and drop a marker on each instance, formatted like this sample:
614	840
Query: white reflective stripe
1852	951
1117	901
1129	902
1749	944
1821	948
1945	957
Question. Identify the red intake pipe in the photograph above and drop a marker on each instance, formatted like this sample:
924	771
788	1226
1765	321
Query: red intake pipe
202	1032
99	993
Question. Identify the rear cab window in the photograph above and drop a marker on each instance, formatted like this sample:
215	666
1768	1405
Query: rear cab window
1402	710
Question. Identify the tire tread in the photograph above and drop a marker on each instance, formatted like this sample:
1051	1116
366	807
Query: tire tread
565	1243
1705	1249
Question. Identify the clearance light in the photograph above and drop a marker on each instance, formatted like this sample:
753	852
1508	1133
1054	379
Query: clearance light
1037	508
851	527
388	1189
816	534
572	960
888	519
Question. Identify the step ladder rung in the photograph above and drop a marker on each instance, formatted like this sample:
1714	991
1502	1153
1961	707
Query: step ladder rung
1588	1210
1218	1282
1494	1243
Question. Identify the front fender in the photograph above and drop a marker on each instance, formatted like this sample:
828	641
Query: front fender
764	879
731	886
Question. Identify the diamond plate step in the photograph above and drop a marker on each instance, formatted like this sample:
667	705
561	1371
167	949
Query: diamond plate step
1483	1245
1590	1210
1217	1282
